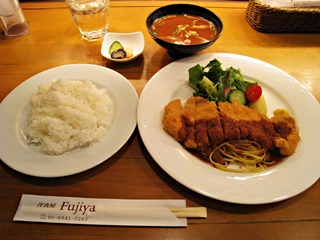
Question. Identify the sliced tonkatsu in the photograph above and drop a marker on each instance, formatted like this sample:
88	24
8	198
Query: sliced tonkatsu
201	123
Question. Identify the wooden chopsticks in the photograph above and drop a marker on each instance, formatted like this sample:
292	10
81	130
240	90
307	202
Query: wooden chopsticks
189	212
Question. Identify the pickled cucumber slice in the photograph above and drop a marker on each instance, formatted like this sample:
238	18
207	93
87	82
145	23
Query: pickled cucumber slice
116	45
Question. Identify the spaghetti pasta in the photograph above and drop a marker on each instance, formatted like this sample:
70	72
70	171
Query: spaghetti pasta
246	155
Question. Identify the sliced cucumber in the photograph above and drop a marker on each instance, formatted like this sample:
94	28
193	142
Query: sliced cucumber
116	45
237	95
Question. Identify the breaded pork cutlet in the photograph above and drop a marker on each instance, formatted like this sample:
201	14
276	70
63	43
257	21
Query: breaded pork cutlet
189	121
172	120
287	138
229	121
215	131
201	117
254	125
200	123
242	118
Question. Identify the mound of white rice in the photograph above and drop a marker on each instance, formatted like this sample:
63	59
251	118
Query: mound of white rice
66	115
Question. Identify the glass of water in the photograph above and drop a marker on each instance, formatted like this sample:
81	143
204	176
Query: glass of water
91	17
13	20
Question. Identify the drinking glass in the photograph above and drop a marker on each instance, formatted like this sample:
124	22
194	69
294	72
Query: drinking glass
13	20
91	17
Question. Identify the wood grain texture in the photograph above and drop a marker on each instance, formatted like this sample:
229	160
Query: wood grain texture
132	173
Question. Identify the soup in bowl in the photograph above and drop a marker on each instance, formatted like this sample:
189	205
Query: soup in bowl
184	29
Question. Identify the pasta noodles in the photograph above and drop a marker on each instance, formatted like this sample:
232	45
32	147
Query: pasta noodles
249	155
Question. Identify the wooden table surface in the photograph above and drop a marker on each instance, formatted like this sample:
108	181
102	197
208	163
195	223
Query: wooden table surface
132	173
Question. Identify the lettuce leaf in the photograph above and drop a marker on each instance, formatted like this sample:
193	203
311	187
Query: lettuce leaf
214	83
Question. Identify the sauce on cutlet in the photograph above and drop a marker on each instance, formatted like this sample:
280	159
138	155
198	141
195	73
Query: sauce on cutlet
206	124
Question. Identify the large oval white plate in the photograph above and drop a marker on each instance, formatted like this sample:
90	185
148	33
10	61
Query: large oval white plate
286	179
17	154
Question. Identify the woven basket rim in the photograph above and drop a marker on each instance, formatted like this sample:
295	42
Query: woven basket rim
265	7
269	19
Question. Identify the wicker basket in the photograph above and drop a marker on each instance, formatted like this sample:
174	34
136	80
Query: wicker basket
265	18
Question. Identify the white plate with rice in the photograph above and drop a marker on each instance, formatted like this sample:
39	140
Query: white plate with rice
17	153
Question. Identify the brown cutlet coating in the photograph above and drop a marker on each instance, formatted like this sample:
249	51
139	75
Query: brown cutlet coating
201	117
229	121
200	122
189	121
287	138
270	131
242	118
257	130
215	130
254	125
172	120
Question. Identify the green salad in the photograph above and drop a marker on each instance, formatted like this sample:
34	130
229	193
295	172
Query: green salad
216	84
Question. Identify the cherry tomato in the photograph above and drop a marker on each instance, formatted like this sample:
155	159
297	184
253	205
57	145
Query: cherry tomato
253	92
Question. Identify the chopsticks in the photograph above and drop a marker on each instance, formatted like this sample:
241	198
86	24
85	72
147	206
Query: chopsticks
189	212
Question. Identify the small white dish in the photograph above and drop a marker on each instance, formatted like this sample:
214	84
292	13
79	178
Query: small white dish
134	40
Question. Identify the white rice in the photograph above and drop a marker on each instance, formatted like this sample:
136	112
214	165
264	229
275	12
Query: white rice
66	115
